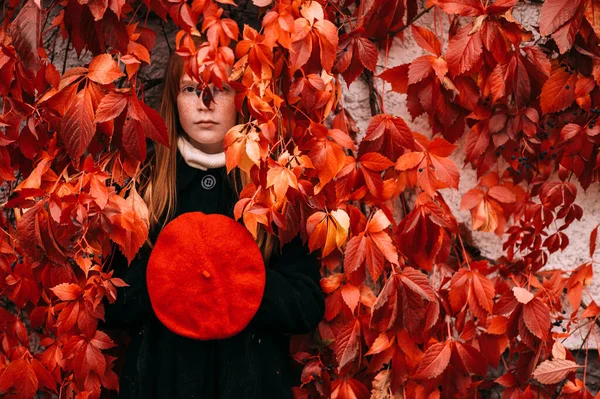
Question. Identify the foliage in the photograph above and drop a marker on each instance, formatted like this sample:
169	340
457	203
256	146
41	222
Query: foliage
411	311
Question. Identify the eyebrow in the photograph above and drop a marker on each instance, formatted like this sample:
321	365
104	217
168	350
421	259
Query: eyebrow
186	82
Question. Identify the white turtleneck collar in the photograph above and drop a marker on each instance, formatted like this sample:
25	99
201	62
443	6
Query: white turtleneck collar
197	158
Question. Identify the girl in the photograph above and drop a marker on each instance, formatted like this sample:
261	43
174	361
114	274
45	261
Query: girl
189	177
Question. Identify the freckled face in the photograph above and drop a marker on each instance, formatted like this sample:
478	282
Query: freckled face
206	127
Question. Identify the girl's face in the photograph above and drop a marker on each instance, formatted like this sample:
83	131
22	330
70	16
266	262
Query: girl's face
206	127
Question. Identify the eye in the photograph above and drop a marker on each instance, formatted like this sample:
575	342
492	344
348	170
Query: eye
189	89
225	89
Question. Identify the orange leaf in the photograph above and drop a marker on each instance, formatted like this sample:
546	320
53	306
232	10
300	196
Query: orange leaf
110	107
77	127
537	318
347	344
554	371
67	292
435	360
103	69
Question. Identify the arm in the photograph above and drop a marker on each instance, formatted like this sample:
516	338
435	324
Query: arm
293	302
132	305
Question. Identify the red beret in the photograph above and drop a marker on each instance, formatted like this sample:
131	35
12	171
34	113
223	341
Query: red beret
205	276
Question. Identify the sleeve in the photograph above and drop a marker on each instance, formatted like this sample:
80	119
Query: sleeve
132	305
293	302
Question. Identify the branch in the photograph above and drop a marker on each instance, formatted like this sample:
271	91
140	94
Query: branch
419	15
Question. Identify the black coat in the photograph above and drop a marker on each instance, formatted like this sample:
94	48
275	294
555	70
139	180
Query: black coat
255	363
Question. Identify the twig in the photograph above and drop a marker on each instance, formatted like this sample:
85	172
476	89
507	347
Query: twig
419	15
66	55
162	25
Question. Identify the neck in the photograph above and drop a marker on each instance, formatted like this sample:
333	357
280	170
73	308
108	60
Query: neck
210	148
196	158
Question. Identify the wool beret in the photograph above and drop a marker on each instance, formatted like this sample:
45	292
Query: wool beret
206	276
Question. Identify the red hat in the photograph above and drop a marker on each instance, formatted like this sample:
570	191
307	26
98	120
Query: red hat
205	276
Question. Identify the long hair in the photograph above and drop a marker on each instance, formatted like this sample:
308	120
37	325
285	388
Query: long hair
160	192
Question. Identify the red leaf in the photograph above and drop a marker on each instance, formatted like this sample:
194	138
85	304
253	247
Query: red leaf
558	92
555	13
593	241
387	135
349	388
103	69
367	53
25	33
464	51
502	194
468	8
67	292
472	360
77	127
537	318
347	344
426	39
435	360
554	371
19	374
110	107
375	162
397	76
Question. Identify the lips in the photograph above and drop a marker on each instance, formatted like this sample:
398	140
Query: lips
206	122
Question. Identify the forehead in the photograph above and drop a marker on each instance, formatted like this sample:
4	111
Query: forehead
185	78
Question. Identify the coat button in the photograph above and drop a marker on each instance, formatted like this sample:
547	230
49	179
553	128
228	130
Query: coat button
208	182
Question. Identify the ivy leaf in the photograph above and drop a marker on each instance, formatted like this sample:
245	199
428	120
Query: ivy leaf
25	33
464	51
554	371
558	92
347	344
555	13
77	126
468	8
537	318
103	69
21	375
430	167
435	360
390	136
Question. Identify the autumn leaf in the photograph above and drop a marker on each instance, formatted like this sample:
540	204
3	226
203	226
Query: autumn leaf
348	388
554	371
110	107
473	288
372	246
348	344
388	135
354	54
67	292
25	32
431	168
435	360
537	318
426	39
522	295
556	13
327	230
464	51
19	374
469	8
77	126
558	92
103	69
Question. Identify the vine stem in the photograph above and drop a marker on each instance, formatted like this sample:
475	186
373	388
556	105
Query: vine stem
419	15
464	252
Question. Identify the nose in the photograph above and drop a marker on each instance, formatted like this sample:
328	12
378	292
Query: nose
205	98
